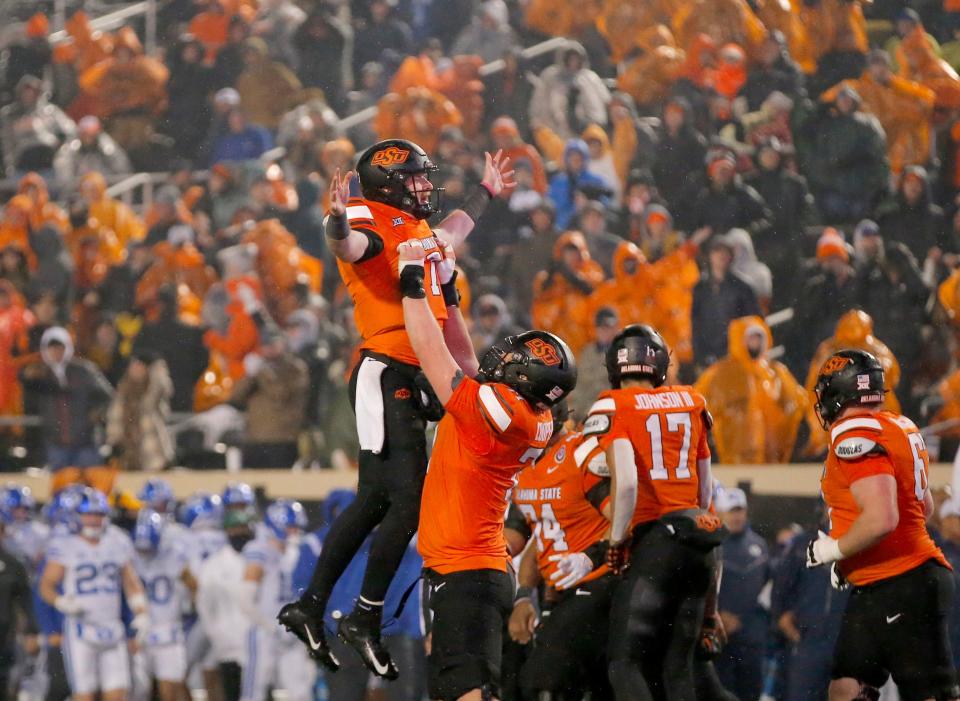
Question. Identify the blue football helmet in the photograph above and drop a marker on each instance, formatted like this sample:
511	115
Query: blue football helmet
17	496
284	514
61	509
148	531
238	494
91	501
202	510
157	494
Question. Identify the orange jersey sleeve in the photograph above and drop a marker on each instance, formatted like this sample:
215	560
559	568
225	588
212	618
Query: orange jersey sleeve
554	496
865	445
667	431
374	282
487	435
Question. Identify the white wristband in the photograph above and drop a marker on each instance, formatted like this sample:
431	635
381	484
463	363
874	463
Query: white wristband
137	602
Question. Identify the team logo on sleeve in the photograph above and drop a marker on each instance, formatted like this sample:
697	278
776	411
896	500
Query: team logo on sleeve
390	157
546	354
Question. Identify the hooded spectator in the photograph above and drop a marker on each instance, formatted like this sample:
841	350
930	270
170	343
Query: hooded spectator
720	296
492	322
724	21
488	35
903	107
267	88
725	202
45	212
276	22
383	34
32	129
243	141
603	245
324	48
179	263
229	63
653	65
15	323
568	95
69	393
757	404
94	247
853	330
178	344
54	272
919	60
772	71
752	271
15	227
791	206
890	288
824	297
127	83
573	179
191	83
505	136
417	114
629	291
842	152
92	151
561	293
211	26
910	217
14	268
26	55
109	212
532	250
273	394
508	92
119	287
137	418
591	368
680	151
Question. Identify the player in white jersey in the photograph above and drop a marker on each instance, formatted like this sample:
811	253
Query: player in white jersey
274	658
25	536
163	568
157	495
94	567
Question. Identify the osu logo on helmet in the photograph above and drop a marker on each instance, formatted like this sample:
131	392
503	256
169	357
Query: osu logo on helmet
543	351
390	156
835	364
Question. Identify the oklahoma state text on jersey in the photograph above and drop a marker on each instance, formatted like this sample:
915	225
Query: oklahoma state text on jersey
488	434
883	443
667	430
560	496
374	282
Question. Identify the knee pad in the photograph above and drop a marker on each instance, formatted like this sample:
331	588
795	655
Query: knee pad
868	693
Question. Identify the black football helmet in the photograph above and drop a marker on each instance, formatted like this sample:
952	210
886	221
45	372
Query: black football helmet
637	351
537	364
847	377
382	169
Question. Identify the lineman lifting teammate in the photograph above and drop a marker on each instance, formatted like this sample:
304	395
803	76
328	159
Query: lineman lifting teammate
390	402
655	438
876	491
493	427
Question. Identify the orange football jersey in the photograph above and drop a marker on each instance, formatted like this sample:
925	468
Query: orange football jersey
487	435
667	430
374	284
879	443
552	496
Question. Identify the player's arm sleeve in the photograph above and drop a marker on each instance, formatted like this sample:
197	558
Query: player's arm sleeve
595	473
481	412
860	453
361	243
704	462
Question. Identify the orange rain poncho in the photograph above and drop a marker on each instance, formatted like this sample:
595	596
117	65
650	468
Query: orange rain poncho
623	23
15	227
756	403
95	249
417	114
44	211
854	330
123	84
562	18
672	278
649	76
724	21
629	291
784	16
918	62
111	213
15	323
905	110
281	264
558	305
835	26
183	267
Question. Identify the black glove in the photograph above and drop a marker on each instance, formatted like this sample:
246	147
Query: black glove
430	407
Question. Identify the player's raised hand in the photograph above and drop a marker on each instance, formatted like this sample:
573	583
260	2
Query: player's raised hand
340	192
497	173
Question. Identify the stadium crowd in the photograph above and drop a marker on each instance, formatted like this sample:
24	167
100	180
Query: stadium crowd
683	163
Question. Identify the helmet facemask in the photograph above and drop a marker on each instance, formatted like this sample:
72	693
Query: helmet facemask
398	195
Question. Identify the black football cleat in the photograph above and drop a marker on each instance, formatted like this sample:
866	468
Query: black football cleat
363	635
299	618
